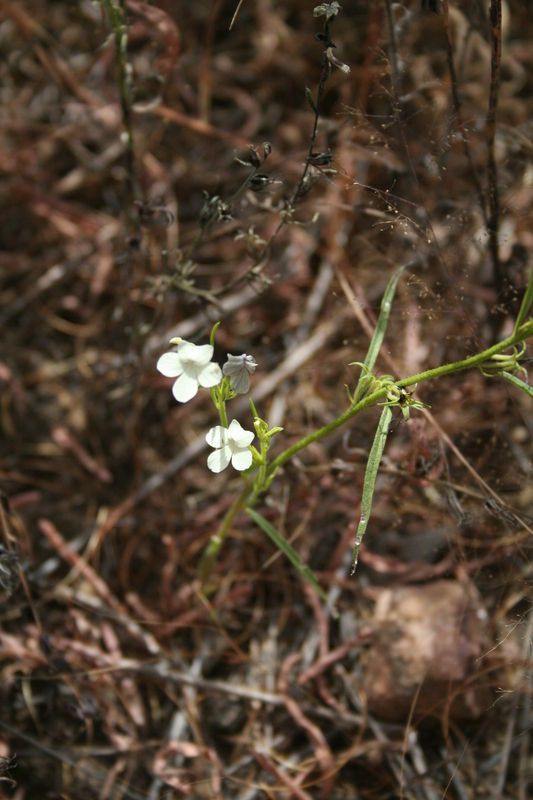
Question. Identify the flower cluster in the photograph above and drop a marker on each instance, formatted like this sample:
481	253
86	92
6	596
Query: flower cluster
192	366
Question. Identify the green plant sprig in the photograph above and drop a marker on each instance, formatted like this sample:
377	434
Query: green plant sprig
495	361
524	332
252	491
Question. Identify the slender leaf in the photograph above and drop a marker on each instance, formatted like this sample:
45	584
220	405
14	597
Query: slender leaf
235	13
310	99
527	302
371	474
287	550
525	387
379	333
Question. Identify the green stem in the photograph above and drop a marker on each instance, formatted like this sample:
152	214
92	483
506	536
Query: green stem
220	406
261	479
315	436
212	550
525	331
223	415
371	399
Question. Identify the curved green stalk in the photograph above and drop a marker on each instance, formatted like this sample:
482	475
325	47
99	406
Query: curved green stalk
212	550
524	332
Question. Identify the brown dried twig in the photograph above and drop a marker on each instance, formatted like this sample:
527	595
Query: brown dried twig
493	221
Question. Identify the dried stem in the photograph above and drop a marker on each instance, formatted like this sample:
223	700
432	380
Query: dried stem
493	192
260	260
116	12
324	74
393	54
457	108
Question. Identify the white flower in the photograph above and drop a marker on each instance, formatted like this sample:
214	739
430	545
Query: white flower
329	10
232	444
239	368
192	366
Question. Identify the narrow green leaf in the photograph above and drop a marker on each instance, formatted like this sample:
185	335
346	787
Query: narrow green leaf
527	302
287	550
213	333
522	385
371	473
379	333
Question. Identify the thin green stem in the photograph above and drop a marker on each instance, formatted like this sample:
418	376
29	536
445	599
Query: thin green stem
223	415
220	406
212	550
262	474
472	361
372	399
321	433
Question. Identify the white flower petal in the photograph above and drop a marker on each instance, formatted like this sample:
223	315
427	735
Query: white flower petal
241	383
185	388
234	428
169	365
217	436
241	459
210	375
238	435
197	354
233	364
245	439
219	460
186	350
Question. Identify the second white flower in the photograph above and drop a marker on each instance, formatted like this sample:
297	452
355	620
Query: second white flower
231	444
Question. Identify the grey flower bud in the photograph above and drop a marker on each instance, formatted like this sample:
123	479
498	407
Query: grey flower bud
238	369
